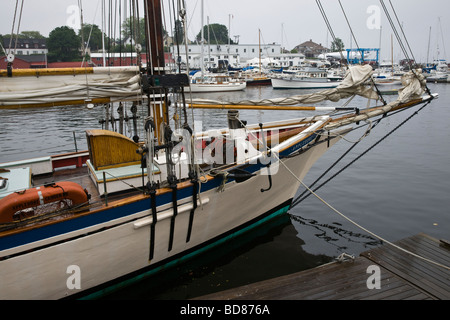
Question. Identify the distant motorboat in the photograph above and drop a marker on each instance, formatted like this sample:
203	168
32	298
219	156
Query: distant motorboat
388	74
440	72
388	80
311	78
439	77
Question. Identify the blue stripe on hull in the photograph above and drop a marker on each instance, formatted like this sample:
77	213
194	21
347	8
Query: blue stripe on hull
109	214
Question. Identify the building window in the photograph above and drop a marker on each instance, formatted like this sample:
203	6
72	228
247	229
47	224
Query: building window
245	50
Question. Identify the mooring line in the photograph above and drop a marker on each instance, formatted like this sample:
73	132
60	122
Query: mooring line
344	216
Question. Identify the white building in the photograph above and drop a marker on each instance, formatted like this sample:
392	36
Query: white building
287	60
236	55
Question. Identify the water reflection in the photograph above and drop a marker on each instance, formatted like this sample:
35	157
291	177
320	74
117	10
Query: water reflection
335	235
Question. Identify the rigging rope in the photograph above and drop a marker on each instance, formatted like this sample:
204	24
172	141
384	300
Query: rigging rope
299	199
18	27
362	56
399	40
340	213
330	29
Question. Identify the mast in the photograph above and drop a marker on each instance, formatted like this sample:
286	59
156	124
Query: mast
428	51
103	33
155	62
154	32
259	49
392	55
202	42
209	48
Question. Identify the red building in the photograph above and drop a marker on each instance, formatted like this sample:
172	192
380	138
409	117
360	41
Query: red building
25	61
112	60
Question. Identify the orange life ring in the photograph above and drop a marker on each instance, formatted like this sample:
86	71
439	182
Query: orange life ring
35	197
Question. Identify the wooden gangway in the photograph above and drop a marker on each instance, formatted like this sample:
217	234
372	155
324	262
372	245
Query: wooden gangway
402	276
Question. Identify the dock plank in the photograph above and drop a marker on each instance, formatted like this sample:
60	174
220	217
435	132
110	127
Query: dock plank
428	277
403	277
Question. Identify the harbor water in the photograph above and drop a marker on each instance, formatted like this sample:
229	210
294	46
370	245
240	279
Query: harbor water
399	188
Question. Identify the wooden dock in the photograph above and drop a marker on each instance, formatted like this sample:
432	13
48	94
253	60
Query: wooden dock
402	277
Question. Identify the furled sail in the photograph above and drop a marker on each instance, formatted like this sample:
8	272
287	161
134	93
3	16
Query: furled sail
69	86
354	83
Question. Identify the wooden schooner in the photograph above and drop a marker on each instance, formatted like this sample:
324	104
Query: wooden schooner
137	207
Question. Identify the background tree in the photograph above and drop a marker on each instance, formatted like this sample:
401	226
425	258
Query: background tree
31	35
133	28
337	45
218	34
95	41
63	45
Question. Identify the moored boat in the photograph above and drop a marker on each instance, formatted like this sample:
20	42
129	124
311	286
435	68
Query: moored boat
144	205
309	78
215	83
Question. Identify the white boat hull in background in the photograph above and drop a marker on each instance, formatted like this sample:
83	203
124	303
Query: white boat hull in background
302	84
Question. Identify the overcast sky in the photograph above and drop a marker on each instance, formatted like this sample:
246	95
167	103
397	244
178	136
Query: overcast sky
287	22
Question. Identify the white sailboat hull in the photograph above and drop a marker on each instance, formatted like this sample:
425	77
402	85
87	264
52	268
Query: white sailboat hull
105	252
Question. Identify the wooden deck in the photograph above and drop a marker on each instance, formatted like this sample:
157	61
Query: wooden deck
403	277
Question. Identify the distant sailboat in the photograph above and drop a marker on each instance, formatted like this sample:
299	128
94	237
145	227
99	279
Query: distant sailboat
388	73
204	81
257	78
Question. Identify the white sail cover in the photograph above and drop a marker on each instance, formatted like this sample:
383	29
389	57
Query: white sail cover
414	84
353	83
357	81
115	83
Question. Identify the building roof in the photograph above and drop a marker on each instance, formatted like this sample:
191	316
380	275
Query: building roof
24	43
32	58
311	48
311	45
